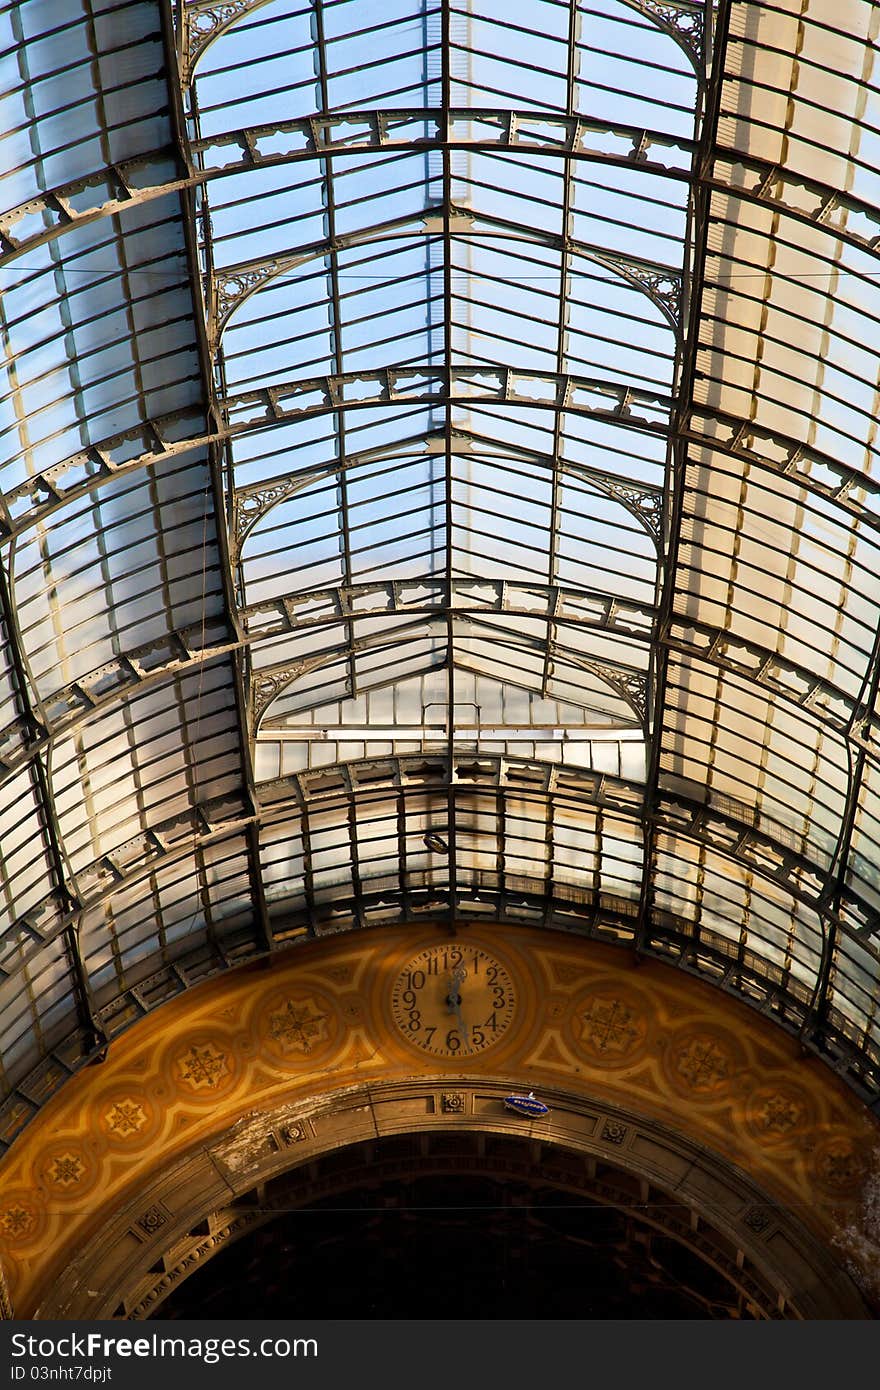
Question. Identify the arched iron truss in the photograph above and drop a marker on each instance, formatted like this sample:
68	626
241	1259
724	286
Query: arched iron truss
437	419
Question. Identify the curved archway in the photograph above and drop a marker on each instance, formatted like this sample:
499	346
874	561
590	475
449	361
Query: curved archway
737	1238
233	1084
436	1223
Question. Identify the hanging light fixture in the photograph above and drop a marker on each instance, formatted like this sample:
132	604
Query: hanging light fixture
436	843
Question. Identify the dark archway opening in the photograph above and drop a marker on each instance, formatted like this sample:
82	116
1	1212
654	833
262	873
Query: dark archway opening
376	1231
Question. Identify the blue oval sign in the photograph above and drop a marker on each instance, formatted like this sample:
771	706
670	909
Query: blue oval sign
526	1105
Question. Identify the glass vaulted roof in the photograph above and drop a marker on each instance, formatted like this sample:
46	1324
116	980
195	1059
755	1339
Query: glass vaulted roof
438	478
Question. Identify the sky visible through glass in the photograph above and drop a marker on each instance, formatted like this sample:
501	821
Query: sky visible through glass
499	321
460	428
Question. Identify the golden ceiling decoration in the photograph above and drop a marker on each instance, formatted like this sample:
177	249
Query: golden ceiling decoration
592	1025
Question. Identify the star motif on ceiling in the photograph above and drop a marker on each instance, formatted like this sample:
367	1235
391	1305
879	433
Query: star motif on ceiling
204	1067
126	1117
779	1114
702	1064
609	1026
17	1221
67	1169
298	1026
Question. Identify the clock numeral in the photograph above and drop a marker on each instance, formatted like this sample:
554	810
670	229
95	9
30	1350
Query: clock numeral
415	1021
443	961
491	1022
429	1033
479	1037
415	979
492	974
453	1041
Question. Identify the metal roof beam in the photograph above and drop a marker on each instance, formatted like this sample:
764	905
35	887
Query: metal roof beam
153	663
697	238
212	421
150	176
173	435
64	893
750	179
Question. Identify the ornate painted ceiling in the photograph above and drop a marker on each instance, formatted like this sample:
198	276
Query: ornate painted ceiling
439	478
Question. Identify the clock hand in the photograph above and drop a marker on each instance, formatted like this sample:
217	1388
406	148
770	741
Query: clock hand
461	1027
453	999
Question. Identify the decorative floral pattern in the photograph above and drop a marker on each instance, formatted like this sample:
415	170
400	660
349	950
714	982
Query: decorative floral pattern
18	1220
779	1114
701	1063
839	1165
613	1132
66	1170
756	1220
299	1025
202	1067
608	1028
153	1220
126	1117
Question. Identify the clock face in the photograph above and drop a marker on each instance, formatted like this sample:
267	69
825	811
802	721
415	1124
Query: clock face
453	1000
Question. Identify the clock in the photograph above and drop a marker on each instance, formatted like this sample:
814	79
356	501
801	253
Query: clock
453	1000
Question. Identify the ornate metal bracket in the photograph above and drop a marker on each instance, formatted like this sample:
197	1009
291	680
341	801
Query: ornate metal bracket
267	685
250	505
202	23
645	504
229	290
660	284
682	22
631	686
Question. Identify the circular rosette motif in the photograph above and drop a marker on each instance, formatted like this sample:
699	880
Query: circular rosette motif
779	1113
299	1024
608	1025
703	1062
126	1117
66	1171
204	1068
840	1164
22	1218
